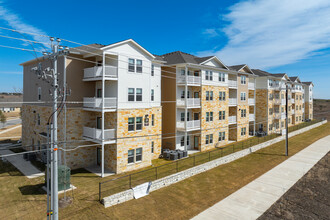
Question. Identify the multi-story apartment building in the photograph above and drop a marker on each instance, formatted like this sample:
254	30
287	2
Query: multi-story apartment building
297	100
205	103
114	106
271	101
308	88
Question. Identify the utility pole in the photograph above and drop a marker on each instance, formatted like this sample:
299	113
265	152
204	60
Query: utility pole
52	151
286	121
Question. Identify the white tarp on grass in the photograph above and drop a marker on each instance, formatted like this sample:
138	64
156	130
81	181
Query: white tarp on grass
141	190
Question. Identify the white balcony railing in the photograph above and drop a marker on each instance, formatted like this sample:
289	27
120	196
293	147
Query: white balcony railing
232	119
283	102
277	101
232	101
195	124
292	111
292	100
232	83
277	115
96	134
283	115
191	102
96	71
252	101
93	102
251	85
195	80
252	117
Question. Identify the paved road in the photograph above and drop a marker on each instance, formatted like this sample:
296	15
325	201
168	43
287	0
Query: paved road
252	200
11	122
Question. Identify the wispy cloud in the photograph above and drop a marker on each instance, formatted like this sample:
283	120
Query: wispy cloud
14	21
210	32
269	33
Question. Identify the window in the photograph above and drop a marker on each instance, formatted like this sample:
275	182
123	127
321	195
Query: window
209	139
138	125
243	80
211	95
38	119
152	70
221	77
243	96
182	141
131	94
207	95
270	127
271	111
297	107
152	95
299	118
243	131
139	94
207	75
296	118
131	65
282	124
182	94
209	116
182	116
222	115
153	120
138	154
130	156
152	146
39	93
222	136
211	75
243	113
131	124
139	66
222	96
270	96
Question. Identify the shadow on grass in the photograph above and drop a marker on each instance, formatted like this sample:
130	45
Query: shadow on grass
32	189
7	167
81	172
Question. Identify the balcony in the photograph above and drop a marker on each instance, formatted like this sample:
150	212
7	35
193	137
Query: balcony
95	73
191	102
251	85
292	111
191	80
232	101
251	101
96	103
283	115
95	134
283	102
191	125
292	100
232	83
277	115
277	101
252	117
232	120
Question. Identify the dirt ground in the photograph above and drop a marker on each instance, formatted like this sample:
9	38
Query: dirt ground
309	198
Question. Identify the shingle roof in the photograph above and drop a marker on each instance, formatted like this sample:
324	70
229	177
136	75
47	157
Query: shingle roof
278	74
181	57
259	72
86	48
293	78
236	67
307	83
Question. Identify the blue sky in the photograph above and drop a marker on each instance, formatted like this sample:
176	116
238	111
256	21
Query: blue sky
291	37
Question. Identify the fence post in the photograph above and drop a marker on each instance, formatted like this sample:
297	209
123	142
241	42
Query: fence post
177	166
130	181
100	191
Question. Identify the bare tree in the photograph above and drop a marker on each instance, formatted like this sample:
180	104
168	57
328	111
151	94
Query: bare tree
18	91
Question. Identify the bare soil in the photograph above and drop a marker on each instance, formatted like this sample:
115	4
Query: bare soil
309	198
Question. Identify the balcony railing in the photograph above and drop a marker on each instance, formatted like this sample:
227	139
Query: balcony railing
97	102
283	115
191	102
251	85
252	117
232	120
292	111
96	71
283	102
232	83
292	100
251	101
195	80
195	124
277	101
277	115
96	134
232	101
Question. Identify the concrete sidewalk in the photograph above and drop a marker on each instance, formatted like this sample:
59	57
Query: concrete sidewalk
22	165
252	200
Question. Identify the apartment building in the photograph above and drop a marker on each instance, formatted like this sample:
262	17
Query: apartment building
297	100
308	88
205	103
114	106
271	101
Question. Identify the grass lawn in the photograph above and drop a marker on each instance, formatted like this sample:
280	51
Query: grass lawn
17	133
21	198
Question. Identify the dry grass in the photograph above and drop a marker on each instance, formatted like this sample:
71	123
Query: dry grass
21	198
12	114
17	133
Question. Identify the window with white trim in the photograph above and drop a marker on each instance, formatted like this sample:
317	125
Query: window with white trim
134	155
131	94
152	95
222	136
138	154
130	156
222	115
243	113
209	139
138	94
209	116
222	77
138	124
153	120
139	66
152	147
243	96
243	80
131	65
209	95
222	96
152	69
243	131
131	124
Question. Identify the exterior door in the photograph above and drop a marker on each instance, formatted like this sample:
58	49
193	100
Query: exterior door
196	95
98	156
196	142
99	93
98	123
196	116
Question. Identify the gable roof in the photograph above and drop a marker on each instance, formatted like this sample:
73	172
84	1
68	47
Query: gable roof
259	72
177	57
236	67
295	79
308	83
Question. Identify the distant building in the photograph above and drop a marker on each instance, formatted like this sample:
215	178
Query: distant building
10	103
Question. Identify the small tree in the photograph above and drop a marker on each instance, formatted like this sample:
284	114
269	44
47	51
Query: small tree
3	118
